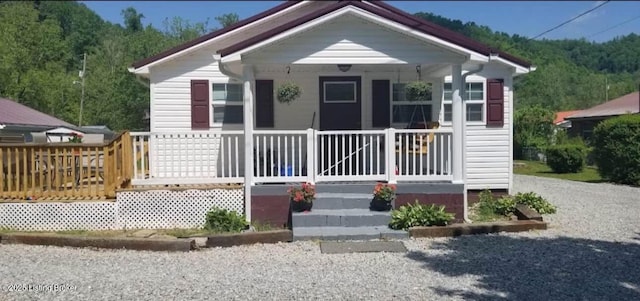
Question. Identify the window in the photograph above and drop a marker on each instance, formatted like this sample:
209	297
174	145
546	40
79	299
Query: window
404	111
474	101
227	102
337	92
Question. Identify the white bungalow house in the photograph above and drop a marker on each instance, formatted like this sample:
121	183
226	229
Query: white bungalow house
215	117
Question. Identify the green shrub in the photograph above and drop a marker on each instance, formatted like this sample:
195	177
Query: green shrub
535	202
222	220
413	215
566	158
489	206
616	143
504	206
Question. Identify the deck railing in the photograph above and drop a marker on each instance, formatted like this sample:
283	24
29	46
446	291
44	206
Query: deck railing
65	170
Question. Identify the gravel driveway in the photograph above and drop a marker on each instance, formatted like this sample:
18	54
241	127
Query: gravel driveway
592	252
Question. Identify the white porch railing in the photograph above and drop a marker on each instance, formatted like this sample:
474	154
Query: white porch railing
194	157
287	156
280	156
350	155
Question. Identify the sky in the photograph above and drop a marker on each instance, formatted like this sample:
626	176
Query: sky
525	18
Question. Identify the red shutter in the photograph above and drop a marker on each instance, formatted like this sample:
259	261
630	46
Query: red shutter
200	104
495	102
380	96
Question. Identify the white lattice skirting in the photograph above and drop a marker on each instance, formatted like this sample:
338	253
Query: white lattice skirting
153	209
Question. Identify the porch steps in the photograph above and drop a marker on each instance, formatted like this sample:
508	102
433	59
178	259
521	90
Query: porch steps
343	215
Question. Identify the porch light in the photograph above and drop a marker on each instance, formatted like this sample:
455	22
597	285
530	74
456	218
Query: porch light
344	67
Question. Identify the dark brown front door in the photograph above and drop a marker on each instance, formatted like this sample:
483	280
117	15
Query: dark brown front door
340	109
340	103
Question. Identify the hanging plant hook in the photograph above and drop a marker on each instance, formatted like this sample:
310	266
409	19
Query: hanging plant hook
288	69
419	71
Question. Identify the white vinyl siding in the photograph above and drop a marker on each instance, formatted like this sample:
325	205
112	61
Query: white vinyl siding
488	149
349	40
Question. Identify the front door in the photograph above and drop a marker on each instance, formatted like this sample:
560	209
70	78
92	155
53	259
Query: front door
340	108
340	103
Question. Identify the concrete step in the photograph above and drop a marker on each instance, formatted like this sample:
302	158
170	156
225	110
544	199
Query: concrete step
340	218
347	233
345	187
330	200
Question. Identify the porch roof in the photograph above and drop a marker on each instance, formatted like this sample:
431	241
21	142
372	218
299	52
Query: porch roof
378	8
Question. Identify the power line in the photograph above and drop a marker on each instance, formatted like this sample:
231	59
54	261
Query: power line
615	26
570	20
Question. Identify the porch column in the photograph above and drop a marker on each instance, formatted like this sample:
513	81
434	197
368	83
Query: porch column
457	120
248	79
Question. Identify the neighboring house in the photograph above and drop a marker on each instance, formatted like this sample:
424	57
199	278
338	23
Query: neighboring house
17	119
560	121
214	114
583	122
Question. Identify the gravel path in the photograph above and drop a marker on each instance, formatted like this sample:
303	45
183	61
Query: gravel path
592	252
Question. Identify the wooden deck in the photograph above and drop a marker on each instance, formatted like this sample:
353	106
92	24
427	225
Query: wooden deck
65	171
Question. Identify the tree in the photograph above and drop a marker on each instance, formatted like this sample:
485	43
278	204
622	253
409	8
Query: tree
532	127
227	19
132	19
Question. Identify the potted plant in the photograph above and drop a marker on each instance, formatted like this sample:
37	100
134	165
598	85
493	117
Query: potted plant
418	91
75	138
288	92
383	195
302	197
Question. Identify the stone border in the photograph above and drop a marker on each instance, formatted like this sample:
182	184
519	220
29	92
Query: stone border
478	228
248	238
139	244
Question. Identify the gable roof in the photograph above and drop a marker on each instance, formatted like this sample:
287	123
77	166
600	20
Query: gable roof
560	116
381	9
14	113
629	103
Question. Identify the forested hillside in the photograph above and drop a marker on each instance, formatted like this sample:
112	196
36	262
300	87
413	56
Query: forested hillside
42	44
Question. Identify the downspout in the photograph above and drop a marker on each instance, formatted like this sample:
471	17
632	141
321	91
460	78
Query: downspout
464	141
223	69
248	124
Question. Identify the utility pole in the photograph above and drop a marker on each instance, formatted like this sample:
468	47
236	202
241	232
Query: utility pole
606	88
82	76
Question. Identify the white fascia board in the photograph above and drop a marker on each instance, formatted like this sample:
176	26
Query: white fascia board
469	54
517	69
145	69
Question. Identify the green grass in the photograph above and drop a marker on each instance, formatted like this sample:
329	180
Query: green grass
533	168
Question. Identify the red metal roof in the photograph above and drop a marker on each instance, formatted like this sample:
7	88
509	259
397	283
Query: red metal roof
560	116
384	10
12	112
629	103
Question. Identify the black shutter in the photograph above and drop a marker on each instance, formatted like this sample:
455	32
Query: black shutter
200	104
380	96
495	102
264	104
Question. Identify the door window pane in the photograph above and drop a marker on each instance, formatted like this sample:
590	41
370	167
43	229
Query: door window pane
339	91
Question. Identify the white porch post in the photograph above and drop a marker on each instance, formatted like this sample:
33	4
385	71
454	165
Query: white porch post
390	151
248	77
458	124
312	154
